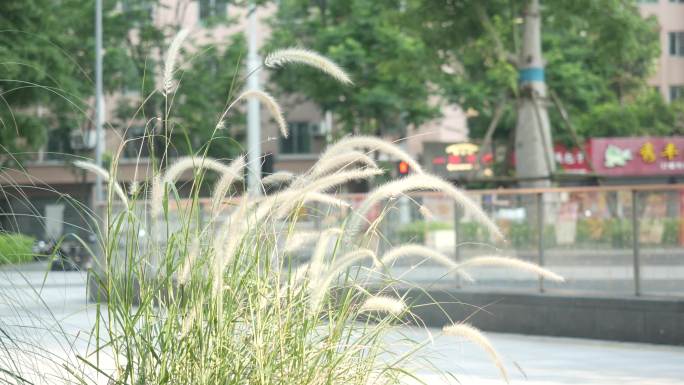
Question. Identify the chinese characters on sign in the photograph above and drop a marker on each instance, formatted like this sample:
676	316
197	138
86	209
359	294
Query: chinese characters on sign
450	160
647	156
637	156
570	159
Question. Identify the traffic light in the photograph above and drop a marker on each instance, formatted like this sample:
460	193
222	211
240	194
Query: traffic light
403	168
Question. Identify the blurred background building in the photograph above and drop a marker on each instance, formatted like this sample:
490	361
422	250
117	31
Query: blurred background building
669	76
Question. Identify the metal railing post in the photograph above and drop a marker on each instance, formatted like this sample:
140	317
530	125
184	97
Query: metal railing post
636	262
540	245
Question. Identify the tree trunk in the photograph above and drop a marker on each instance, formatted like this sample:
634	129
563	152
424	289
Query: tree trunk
533	143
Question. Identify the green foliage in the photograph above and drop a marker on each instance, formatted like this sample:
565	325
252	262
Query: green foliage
15	248
598	56
47	58
211	79
392	68
647	114
42	68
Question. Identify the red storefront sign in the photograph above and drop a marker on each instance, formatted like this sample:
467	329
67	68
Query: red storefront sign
570	159
642	156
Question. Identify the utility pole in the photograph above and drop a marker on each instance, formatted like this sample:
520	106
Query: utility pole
533	144
99	102
253	113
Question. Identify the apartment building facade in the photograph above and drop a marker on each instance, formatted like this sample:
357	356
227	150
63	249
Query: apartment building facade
669	76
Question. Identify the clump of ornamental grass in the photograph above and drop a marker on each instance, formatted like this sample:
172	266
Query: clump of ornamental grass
198	292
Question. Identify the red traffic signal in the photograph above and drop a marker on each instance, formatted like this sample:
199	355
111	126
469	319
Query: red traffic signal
403	168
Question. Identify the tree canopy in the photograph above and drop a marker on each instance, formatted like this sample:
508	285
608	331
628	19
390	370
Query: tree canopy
47	57
392	68
599	55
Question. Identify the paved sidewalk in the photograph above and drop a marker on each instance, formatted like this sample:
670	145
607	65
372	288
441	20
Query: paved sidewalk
529	359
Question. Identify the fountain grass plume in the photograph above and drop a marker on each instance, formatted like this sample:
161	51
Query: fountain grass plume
181	165
512	263
293	199
325	199
372	143
229	175
277	178
329	181
284	202
320	251
189	261
321	280
408	250
425	212
383	304
104	174
474	335
270	103
419	182
304	56
171	58
297	240
341	161
156	197
184	163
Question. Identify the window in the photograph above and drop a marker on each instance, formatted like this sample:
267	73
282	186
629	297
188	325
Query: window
209	9
677	43
299	140
139	10
676	92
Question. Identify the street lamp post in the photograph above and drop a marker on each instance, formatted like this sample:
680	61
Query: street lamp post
99	102
253	114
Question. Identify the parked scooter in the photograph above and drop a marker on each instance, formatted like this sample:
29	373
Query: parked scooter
64	256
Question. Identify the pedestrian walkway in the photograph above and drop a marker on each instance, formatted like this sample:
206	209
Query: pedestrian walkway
529	360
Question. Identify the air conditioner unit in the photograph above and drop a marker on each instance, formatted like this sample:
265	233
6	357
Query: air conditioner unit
82	140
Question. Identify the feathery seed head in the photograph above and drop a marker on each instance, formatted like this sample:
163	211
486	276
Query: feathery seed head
171	58
474	335
425	212
374	144
270	103
418	182
512	263
277	178
229	175
381	303
304	56
338	162
104	174
408	250
321	282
